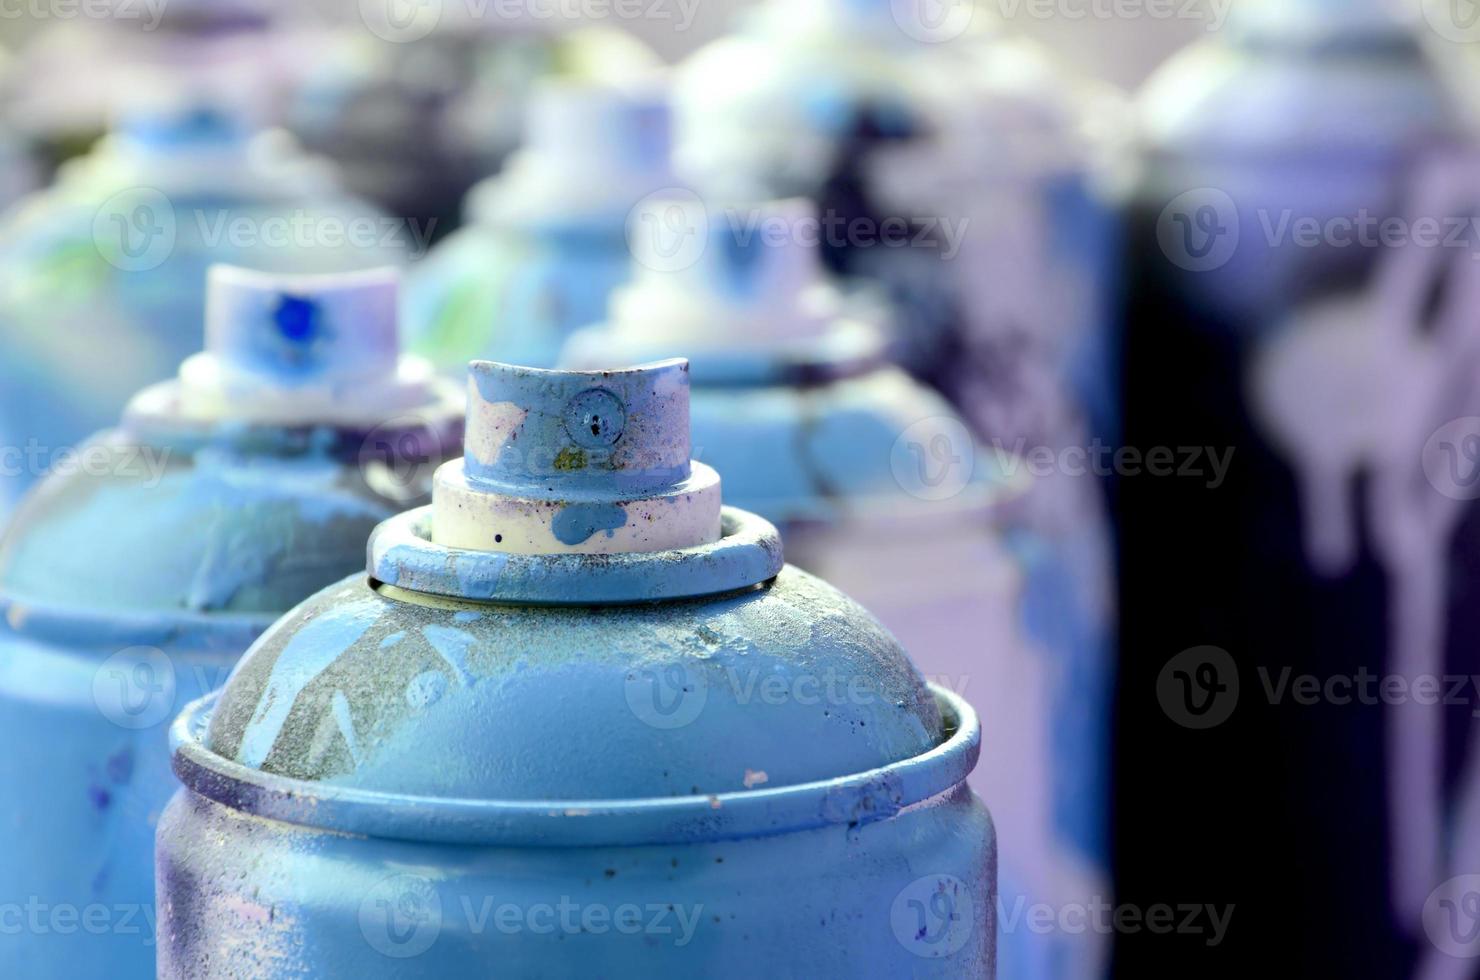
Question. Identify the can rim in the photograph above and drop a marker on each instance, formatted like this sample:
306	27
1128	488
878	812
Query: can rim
852	800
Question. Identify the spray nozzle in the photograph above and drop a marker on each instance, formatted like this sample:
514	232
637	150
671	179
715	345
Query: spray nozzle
592	462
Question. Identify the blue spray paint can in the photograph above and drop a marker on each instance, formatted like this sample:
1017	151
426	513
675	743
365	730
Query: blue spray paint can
954	166
73	75
547	239
1285	157
134	577
102	276
879	487
556	731
414	126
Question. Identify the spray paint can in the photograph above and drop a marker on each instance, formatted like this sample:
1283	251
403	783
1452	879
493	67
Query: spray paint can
102	279
74	76
880	488
1279	171
547	240
954	164
133	579
416	123
539	704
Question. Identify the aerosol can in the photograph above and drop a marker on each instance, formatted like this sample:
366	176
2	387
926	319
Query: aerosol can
415	113
880	488
547	239
102	276
577	718
956	165
76	73
133	579
1282	167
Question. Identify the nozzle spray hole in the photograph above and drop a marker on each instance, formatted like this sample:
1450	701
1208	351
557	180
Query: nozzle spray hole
595	418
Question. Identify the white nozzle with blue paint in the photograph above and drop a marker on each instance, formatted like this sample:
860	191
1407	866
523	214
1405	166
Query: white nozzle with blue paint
570	462
289	348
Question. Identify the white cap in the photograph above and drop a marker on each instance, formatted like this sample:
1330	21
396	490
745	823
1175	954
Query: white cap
322	348
589	148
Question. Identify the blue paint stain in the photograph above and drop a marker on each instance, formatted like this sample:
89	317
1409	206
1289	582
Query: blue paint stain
297	319
393	639
467	617
578	522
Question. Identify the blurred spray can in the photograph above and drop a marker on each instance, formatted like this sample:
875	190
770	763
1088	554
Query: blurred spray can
416	112
956	165
880	487
547	240
134	577
83	66
1280	160
102	276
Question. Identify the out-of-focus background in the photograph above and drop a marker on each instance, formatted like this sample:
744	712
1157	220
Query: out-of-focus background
1120	356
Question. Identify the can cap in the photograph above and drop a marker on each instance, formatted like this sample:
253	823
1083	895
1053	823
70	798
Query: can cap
301	348
576	462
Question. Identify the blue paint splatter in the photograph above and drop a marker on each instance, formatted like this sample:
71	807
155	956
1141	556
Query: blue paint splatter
578	522
297	319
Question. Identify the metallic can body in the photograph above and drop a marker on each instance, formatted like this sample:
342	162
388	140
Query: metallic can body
831	900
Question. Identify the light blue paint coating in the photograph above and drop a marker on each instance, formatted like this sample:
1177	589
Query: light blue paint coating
595	434
616	786
124	595
577	523
402	554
